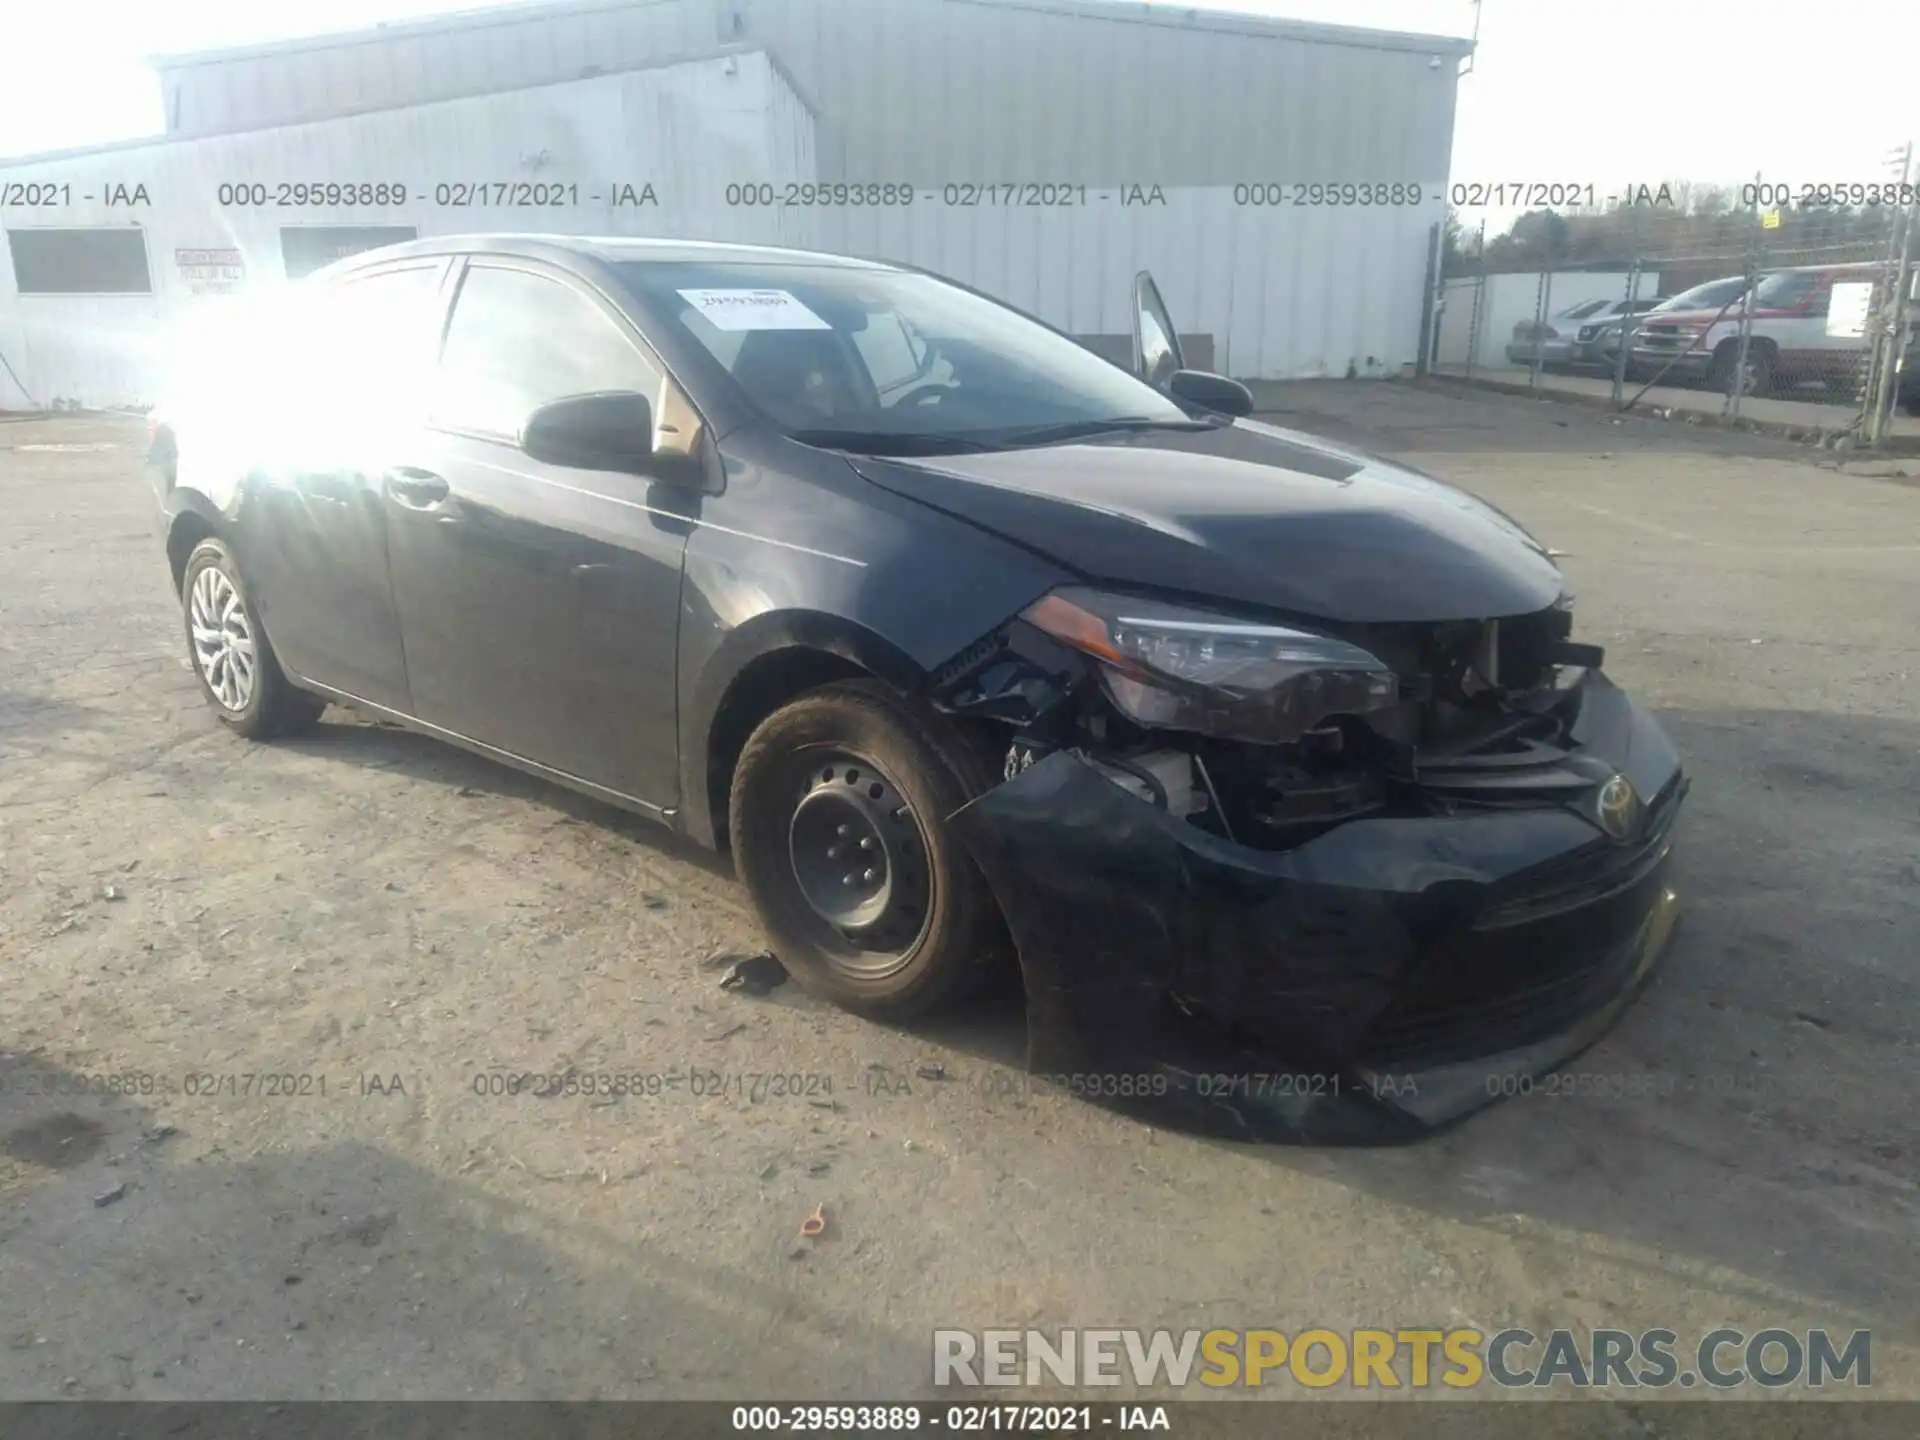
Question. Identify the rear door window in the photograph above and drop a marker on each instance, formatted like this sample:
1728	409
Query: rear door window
331	362
372	335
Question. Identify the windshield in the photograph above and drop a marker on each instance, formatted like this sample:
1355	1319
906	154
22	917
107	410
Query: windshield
1787	288
838	355
1582	310
1710	296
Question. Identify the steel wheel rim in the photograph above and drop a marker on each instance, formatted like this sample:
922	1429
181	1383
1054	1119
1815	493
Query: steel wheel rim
858	855
224	651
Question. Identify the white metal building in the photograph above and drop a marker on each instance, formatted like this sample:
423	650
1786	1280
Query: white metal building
1280	179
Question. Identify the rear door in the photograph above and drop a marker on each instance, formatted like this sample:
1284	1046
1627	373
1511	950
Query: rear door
540	603
343	388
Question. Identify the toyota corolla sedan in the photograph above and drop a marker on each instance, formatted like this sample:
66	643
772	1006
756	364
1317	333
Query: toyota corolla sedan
1276	768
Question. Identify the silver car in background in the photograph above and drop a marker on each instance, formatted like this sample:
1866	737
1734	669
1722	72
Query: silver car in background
1597	340
1571	336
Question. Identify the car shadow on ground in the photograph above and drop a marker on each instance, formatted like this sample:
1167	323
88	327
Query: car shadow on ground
353	739
339	1270
1762	1085
991	1024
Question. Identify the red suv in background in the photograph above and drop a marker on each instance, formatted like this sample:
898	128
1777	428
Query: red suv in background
1789	344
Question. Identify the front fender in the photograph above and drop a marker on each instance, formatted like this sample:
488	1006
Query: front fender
784	639
182	518
801	556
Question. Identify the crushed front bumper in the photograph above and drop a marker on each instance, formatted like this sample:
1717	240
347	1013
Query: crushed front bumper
1388	977
1677	363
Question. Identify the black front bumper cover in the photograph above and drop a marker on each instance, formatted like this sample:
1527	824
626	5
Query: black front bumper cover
1388	977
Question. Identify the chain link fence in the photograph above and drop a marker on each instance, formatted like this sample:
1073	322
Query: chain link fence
1723	299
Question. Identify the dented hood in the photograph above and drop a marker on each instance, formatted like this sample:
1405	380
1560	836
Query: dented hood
1246	512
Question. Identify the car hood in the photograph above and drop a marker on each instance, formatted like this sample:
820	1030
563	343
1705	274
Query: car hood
1246	512
1701	317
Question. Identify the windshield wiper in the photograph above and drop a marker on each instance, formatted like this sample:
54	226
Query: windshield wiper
1079	429
880	442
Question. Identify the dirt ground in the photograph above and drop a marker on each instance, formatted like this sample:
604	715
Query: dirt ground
376	912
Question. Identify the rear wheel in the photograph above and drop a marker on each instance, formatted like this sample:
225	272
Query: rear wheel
242	681
838	822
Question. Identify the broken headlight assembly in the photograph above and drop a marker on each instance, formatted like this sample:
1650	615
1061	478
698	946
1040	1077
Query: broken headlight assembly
1175	667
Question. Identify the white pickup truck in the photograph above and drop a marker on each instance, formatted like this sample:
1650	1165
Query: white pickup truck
1789	345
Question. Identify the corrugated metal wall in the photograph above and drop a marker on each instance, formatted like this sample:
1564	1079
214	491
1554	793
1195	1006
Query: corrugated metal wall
1284	292
959	90
676	128
406	64
928	91
969	92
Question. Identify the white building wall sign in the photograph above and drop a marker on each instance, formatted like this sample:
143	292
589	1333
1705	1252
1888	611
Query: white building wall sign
211	272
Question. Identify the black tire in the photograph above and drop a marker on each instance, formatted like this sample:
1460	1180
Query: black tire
939	930
271	705
1759	368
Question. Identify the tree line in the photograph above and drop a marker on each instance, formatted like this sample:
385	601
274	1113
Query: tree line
1689	222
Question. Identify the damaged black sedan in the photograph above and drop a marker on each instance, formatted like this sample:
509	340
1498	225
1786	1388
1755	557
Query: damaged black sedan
1278	769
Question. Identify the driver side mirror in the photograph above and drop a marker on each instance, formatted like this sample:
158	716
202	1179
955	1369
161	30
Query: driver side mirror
1214	392
608	430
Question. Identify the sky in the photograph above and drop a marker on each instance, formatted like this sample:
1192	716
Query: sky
1610	92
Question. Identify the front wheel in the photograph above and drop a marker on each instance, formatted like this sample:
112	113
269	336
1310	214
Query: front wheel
1758	379
838	820
242	681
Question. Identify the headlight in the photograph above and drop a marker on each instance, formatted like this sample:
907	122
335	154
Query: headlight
1171	667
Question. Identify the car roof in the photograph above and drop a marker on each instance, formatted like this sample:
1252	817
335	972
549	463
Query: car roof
607	249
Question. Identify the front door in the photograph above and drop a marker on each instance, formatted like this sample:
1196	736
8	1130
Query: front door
539	604
345	390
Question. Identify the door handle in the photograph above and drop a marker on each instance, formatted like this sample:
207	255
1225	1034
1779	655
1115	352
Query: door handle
416	489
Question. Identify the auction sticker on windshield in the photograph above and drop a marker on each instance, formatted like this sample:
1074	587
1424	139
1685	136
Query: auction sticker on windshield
753	310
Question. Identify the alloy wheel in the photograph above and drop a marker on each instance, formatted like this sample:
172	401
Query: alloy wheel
223	642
